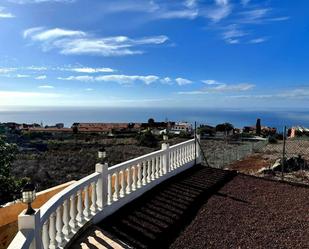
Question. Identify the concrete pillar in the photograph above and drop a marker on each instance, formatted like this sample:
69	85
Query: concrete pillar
102	184
31	222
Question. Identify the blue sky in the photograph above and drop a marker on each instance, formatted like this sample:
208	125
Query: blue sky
246	54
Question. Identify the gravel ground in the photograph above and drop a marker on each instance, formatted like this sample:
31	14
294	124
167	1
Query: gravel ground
251	213
212	208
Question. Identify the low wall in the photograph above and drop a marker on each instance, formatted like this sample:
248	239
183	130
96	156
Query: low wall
9	214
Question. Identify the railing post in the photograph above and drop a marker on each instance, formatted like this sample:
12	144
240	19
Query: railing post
166	163
198	150
102	184
31	222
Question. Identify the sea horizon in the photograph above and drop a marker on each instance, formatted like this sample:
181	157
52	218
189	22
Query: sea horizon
277	118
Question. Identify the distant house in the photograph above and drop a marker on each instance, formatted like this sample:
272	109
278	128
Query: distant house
181	127
249	129
298	131
267	131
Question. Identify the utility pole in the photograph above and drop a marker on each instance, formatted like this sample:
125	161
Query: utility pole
195	142
283	152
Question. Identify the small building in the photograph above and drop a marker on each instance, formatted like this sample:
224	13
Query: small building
182	127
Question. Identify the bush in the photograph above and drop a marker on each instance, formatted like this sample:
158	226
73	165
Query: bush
272	140
148	139
10	187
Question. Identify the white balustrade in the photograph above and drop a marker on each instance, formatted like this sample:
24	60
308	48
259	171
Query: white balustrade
100	194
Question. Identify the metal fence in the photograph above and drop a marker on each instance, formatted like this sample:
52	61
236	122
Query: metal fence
224	155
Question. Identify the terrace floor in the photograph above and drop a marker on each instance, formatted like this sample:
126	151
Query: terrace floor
208	208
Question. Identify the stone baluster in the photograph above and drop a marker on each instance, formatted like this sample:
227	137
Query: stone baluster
59	226
144	172
123	184
173	161
153	169
93	206
66	221
139	175
73	213
157	175
109	190
129	183
116	186
52	231
161	165
80	215
134	178
86	204
149	171
45	235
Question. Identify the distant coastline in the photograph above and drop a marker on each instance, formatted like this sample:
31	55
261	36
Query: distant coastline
239	118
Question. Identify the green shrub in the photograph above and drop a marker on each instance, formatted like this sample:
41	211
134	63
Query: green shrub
148	139
272	140
10	187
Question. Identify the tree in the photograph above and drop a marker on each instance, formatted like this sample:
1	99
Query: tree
151	122
148	139
225	127
258	127
9	185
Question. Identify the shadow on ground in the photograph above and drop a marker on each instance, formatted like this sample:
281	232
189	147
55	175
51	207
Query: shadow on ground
156	219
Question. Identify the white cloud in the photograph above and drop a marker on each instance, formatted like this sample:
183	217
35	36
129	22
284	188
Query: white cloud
91	70
23	76
5	14
75	42
166	80
118	78
183	81
211	82
221	10
46	87
127	79
231	88
31	31
85	78
232	31
190	3
232	34
214	86
296	94
5	70
35	68
51	34
258	40
254	16
89	89
41	77
174	14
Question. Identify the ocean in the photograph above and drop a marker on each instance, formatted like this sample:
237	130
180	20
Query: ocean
239	118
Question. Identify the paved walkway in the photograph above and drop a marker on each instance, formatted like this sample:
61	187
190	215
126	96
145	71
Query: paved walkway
208	208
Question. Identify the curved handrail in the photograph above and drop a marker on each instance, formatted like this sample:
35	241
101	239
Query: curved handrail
182	143
57	219
51	205
119	166
22	239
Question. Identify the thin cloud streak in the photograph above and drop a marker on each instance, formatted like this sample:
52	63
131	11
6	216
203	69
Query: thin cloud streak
75	42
